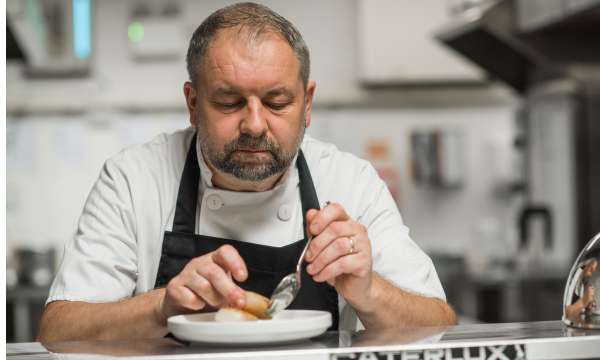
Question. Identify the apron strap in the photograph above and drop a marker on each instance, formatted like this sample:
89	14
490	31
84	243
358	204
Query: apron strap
187	198
308	194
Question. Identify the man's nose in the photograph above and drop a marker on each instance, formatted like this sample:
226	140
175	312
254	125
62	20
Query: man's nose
254	122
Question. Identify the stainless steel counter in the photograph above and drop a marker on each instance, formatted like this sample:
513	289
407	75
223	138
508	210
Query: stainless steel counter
535	340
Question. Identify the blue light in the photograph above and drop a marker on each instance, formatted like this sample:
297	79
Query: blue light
82	28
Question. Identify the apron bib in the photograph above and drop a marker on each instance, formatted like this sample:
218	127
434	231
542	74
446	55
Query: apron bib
266	265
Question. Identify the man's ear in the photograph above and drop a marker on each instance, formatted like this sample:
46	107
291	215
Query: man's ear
310	93
191	100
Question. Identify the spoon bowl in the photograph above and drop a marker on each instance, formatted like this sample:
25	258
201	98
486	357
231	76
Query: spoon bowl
284	293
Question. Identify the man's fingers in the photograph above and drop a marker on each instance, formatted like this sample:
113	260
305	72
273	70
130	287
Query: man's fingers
207	280
222	283
187	298
310	214
356	264
229	259
336	249
350	264
203	288
331	212
335	230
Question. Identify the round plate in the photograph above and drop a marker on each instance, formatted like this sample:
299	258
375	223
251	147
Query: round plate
287	325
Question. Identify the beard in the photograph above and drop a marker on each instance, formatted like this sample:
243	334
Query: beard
272	160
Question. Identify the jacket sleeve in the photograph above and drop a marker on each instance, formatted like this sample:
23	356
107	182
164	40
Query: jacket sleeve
99	263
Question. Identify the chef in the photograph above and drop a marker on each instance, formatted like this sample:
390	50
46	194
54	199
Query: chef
188	221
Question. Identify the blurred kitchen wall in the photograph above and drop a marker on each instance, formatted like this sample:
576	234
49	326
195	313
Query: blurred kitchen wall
61	129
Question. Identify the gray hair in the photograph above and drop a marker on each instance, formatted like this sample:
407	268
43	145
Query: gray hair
256	19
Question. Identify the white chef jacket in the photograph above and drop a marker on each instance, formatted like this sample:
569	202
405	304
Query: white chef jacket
116	251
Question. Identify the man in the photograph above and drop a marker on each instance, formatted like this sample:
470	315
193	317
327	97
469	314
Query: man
185	222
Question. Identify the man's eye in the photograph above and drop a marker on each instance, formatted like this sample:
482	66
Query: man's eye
228	105
277	106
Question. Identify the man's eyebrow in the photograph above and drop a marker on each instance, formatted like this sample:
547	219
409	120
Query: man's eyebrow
228	91
224	91
280	91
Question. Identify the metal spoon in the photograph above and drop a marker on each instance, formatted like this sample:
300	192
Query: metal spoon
288	287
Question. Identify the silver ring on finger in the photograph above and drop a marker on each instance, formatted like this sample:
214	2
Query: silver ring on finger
352	248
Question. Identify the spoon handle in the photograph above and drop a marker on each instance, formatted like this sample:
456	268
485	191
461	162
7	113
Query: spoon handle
299	265
310	237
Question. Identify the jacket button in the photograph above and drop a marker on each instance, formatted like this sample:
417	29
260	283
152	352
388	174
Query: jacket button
214	202
284	213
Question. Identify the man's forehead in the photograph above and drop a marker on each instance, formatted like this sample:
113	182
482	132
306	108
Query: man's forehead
264	64
249	43
240	78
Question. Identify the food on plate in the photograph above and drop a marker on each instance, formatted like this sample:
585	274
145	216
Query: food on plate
233	314
257	305
256	308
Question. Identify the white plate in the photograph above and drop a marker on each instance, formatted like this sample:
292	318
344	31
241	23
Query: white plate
286	326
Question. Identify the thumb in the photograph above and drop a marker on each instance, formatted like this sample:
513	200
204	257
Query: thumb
310	214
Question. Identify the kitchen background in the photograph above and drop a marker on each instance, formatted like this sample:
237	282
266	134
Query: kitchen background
482	131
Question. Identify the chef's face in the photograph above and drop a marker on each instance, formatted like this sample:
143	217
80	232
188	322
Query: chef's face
250	105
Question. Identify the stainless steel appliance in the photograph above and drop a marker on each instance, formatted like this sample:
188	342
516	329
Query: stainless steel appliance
548	52
582	298
561	143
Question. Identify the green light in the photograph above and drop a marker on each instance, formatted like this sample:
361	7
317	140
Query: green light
135	31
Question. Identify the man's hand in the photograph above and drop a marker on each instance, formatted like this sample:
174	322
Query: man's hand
206	283
340	253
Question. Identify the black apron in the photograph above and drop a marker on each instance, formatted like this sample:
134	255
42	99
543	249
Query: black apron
267	265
